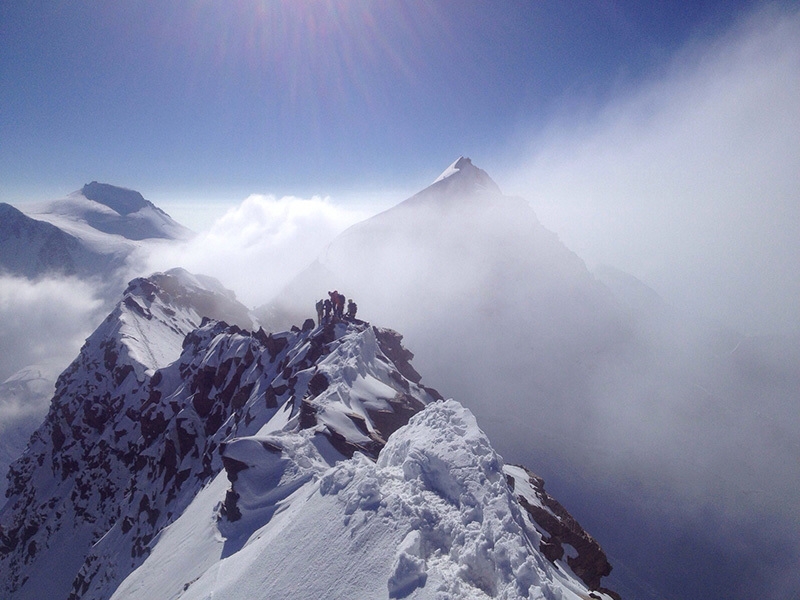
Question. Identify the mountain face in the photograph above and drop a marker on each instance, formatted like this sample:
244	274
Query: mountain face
104	208
185	455
471	276
91	236
667	418
498	310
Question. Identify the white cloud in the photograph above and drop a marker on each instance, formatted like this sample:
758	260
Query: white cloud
691	182
255	248
45	322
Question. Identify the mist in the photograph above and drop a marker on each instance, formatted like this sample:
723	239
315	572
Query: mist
663	411
690	181
45	322
640	417
256	247
43	325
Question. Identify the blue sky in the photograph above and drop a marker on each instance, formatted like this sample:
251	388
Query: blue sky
662	138
214	99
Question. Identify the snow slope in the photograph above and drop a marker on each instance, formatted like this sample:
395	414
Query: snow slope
33	248
74	459
195	459
90	233
433	517
667	418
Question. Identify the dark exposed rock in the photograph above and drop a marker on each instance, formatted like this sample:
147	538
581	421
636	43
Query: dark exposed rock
390	343
58	438
229	508
318	384
232	467
270	397
315	352
347	448
590	563
360	423
308	415
239	395
275	345
121	374
403	407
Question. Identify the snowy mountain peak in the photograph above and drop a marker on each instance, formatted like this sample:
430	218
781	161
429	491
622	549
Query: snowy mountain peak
146	329
467	174
138	420
105	216
176	449
119	199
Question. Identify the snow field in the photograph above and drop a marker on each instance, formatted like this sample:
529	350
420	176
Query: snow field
432	518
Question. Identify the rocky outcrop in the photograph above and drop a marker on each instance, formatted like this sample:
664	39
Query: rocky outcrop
562	535
164	396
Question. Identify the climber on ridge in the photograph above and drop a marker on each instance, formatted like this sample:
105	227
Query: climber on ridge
328	308
352	307
320	307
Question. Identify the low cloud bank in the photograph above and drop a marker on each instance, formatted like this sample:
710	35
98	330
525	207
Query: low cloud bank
45	322
256	247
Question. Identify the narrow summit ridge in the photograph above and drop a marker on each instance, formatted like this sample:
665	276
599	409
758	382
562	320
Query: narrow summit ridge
178	447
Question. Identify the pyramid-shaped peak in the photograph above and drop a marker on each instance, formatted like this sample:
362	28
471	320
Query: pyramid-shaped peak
464	171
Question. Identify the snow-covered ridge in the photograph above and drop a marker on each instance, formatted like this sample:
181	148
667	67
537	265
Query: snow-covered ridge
195	459
137	421
433	517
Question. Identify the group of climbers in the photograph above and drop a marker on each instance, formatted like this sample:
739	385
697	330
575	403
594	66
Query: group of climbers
333	308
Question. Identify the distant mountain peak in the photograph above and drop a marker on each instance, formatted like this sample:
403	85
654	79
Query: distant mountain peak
122	200
113	210
463	171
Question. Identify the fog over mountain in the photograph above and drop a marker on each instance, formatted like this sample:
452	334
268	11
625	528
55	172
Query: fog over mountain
689	180
688	430
685	432
63	263
682	434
